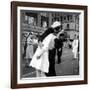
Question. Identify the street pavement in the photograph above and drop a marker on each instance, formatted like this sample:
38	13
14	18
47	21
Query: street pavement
68	66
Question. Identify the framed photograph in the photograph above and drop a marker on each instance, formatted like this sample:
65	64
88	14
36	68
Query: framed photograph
48	44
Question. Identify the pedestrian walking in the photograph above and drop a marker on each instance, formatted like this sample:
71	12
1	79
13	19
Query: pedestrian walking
75	46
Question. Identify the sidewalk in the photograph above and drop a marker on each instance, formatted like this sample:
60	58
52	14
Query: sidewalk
68	66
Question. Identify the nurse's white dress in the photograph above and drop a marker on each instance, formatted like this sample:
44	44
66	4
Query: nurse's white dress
42	63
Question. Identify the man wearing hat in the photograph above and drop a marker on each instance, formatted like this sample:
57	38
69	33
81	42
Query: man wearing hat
59	46
55	28
56	25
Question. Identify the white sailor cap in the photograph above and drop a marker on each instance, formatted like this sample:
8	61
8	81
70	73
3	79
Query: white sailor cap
56	24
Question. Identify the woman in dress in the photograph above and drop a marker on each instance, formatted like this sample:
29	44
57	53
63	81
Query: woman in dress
29	49
40	60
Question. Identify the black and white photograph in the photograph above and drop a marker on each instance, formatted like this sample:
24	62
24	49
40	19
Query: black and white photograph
49	43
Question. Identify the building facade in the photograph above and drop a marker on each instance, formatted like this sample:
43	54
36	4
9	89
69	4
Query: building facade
39	21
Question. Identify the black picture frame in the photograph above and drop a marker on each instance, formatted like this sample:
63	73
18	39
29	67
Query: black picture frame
14	5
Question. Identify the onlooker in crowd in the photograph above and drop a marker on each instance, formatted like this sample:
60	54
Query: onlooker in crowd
29	49
75	46
35	43
59	46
